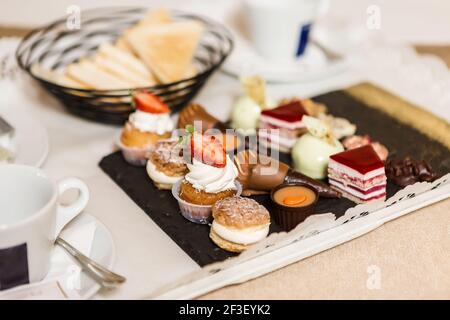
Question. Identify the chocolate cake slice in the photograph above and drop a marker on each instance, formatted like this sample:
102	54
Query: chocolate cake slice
359	174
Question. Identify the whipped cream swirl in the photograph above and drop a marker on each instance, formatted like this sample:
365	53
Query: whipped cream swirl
159	123
212	179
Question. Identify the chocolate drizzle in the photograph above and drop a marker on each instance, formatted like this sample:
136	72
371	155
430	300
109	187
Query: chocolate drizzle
258	173
324	190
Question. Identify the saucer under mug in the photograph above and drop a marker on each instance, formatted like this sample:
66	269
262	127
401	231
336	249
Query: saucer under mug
31	218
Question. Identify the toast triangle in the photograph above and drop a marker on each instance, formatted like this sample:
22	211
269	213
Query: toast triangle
167	49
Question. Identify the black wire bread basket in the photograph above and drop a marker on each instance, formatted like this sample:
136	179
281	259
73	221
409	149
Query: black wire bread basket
54	46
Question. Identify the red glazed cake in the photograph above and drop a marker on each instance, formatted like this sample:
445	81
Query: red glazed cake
359	173
287	118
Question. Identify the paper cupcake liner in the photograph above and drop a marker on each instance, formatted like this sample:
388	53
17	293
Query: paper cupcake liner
133	155
200	214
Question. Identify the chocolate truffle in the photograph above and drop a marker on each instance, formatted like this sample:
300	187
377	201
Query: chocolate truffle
408	171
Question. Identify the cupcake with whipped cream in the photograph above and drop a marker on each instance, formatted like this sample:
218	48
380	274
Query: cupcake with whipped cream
211	177
238	223
165	165
150	123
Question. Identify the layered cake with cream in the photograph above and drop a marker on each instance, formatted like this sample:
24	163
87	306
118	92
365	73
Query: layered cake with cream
280	127
356	141
359	173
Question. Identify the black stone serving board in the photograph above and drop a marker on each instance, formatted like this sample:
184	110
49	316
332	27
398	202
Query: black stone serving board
161	207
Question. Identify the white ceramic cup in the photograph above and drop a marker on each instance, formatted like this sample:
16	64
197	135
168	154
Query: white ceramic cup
279	30
31	218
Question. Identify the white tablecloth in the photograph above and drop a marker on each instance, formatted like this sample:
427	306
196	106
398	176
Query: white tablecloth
77	145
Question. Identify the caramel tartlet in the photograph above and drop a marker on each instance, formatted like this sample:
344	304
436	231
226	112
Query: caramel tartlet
293	203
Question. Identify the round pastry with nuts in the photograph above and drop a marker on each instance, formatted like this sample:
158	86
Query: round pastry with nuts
166	165
238	223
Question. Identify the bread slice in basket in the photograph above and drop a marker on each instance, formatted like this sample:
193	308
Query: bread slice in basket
155	50
88	72
124	64
168	49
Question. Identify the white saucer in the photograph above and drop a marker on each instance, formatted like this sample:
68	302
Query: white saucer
313	65
62	265
30	138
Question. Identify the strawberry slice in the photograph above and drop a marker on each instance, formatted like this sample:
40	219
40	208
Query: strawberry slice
208	150
147	102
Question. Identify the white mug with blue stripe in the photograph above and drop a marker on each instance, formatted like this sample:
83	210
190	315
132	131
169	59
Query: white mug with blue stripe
279	29
31	218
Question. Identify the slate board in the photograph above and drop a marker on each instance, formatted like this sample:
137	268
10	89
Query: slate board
161	207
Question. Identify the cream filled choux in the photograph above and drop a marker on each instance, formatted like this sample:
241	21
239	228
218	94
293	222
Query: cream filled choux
238	223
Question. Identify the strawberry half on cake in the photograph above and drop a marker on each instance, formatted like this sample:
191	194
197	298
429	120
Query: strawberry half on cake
287	118
359	174
211	177
146	126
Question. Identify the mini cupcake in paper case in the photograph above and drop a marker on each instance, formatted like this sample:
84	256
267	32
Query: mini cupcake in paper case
136	156
212	174
150	123
196	213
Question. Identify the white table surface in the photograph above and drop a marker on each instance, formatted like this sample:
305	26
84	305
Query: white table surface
77	145
420	21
